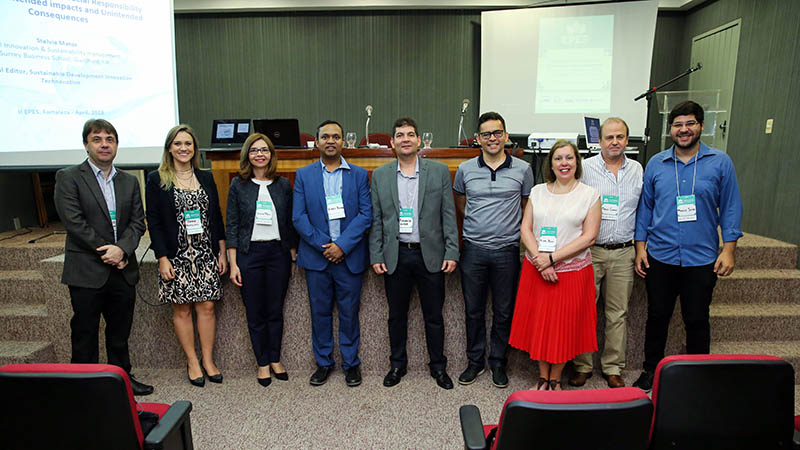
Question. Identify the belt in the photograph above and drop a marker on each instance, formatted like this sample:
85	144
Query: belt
616	246
412	245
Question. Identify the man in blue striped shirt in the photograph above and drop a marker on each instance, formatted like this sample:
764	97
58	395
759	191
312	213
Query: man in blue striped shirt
619	182
689	190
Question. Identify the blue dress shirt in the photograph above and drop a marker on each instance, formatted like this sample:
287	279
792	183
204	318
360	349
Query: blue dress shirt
694	243
332	183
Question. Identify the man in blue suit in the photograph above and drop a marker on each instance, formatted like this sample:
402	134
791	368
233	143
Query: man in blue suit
332	212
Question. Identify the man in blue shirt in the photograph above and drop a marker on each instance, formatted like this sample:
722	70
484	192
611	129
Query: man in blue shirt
689	190
332	212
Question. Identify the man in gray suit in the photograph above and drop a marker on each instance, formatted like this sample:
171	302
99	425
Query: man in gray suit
413	239
101	209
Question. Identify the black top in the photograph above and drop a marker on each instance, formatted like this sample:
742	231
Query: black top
241	212
161	214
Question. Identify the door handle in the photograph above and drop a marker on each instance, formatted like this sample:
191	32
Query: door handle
724	127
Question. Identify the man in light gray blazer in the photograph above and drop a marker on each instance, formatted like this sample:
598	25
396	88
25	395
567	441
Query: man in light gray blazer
413	240
101	209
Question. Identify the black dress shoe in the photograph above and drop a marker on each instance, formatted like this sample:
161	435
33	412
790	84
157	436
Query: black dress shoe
442	379
499	377
352	376
469	375
199	381
320	376
394	376
645	381
212	378
140	388
264	381
283	376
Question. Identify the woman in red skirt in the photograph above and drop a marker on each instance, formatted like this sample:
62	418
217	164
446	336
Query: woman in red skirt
555	317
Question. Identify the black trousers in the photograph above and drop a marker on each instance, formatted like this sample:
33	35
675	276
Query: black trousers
482	269
265	269
115	301
411	270
694	286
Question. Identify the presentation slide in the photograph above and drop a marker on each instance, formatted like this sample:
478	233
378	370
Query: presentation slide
543	69
63	62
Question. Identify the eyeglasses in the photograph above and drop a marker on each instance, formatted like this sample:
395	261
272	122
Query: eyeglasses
496	133
254	150
334	137
689	124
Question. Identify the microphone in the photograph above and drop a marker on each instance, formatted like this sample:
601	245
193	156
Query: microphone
369	110
464	105
695	69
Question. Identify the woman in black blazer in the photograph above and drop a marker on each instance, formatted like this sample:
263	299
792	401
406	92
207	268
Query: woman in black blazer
188	239
262	245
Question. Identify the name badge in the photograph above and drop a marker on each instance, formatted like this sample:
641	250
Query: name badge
263	213
194	225
113	215
547	239
335	206
610	207
687	208
406	220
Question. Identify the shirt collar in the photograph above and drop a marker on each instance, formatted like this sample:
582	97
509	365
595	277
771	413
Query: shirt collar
343	165
416	169
703	151
96	170
506	164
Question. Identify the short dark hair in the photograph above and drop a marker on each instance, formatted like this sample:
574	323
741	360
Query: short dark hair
615	120
402	122
96	126
685	109
491	115
329	122
549	175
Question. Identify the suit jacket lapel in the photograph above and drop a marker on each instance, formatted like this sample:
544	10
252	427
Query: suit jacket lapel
121	193
423	178
91	181
393	187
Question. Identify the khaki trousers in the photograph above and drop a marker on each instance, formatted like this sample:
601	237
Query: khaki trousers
613	278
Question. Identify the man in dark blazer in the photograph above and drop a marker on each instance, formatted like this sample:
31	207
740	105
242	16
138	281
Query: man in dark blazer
332	212
413	240
101	209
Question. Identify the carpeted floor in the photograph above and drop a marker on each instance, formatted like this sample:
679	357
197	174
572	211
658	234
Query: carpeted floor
415	414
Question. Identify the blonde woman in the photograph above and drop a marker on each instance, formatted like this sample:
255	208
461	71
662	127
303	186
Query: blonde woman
188	238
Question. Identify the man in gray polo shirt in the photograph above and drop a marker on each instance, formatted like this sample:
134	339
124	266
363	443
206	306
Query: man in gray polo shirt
619	182
491	192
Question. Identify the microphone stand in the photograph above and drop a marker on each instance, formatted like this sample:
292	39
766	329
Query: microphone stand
366	130
648	95
461	132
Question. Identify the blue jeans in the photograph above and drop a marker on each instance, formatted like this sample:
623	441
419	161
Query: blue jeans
482	269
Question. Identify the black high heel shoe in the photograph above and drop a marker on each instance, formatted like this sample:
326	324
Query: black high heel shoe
212	378
199	381
283	376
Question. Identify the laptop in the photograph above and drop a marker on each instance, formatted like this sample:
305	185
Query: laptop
592	125
229	134
284	133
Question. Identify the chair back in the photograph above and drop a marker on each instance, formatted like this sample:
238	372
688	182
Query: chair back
723	402
593	418
305	138
86	406
378	138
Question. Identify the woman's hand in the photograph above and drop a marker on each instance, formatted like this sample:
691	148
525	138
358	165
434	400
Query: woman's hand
165	269
549	274
236	275
541	261
222	263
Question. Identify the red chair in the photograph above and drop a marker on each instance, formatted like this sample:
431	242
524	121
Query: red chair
723	402
85	406
305	138
471	142
615	419
378	138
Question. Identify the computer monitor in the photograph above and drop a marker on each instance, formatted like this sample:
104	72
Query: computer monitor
229	133
282	132
592	125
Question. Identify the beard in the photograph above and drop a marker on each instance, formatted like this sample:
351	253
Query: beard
691	143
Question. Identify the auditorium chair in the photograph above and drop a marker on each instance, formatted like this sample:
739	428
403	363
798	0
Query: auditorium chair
305	138
723	402
378	138
612	419
84	406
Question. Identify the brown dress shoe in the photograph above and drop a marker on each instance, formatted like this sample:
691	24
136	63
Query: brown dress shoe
578	379
614	381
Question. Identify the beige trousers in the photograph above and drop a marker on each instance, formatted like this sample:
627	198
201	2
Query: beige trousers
613	278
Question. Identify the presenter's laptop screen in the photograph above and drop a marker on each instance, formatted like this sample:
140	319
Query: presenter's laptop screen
229	132
592	125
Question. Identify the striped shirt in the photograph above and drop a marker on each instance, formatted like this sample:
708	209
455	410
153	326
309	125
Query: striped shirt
627	185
